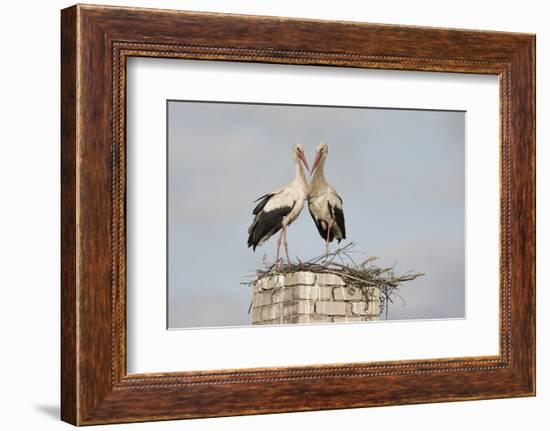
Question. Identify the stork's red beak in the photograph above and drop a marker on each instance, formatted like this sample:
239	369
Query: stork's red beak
303	159
316	162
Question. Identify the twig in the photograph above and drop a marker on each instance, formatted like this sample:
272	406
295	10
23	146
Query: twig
364	275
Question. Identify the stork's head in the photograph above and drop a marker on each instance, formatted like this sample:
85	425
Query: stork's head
299	153
321	154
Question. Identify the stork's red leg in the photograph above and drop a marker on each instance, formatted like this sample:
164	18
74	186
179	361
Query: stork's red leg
279	245
285	245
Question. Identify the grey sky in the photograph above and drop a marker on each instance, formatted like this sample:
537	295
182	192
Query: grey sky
400	174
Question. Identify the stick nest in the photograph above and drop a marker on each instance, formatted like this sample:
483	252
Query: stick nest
357	274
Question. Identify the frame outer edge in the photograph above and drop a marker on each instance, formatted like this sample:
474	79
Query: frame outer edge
523	216
69	201
87	396
530	79
533	54
532	101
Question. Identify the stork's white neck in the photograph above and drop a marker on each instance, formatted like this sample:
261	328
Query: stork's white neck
300	176
319	174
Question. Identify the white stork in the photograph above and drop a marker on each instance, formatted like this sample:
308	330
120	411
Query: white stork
276	210
325	206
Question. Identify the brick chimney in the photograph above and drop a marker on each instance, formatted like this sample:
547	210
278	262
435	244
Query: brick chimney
308	297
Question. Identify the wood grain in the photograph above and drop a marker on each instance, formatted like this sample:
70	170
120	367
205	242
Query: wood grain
96	41
69	366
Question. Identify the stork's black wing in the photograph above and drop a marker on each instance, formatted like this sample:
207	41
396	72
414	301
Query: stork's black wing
266	223
321	226
263	200
340	223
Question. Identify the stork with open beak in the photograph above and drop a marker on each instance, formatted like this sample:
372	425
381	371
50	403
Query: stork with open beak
325	205
275	211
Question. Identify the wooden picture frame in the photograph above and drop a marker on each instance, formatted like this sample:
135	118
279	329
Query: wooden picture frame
95	43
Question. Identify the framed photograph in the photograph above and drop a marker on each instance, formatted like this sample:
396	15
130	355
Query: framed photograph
258	208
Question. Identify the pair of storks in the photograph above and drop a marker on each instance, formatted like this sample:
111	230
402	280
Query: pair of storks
277	210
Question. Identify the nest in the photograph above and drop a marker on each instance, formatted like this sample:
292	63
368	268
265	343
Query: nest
357	274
